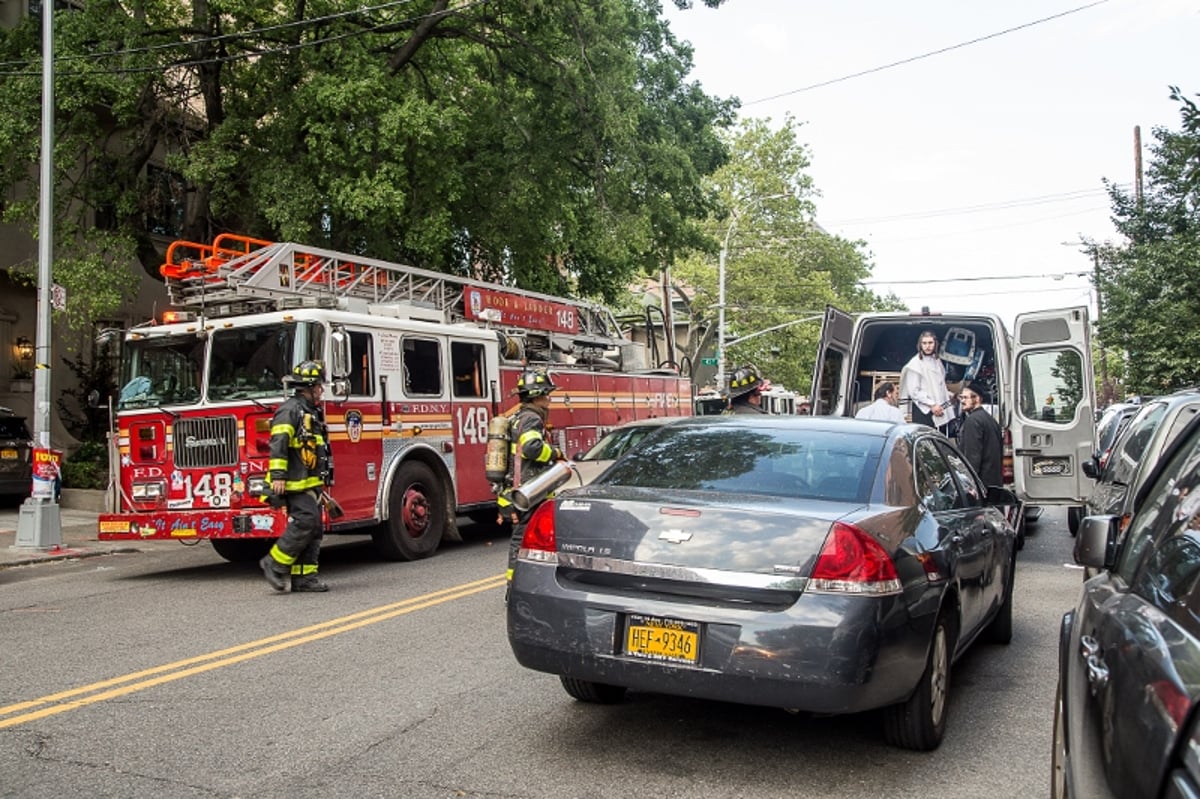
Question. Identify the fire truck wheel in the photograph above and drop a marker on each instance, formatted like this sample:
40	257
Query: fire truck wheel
244	551
417	515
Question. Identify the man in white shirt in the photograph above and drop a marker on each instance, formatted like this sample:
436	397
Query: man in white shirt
924	383
885	407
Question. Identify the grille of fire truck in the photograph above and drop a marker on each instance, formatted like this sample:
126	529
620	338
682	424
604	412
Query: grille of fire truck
206	442
236	274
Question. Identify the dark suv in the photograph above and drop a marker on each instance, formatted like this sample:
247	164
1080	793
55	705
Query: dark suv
1129	653
16	455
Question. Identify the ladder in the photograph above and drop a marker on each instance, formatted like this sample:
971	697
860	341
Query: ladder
239	274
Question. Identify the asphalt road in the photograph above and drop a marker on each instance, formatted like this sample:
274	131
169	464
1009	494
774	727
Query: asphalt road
170	673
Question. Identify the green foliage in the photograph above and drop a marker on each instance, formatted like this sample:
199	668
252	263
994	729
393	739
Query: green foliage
781	266
1150	284
83	421
551	145
87	467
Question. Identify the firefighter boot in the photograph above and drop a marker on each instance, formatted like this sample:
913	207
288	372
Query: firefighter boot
309	583
271	570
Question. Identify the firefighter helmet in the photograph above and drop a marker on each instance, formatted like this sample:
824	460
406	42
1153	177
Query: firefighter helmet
534	383
306	374
744	380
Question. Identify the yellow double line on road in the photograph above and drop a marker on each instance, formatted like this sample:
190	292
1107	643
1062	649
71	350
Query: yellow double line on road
104	690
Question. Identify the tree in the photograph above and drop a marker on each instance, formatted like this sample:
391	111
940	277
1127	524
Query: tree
1150	284
781	266
553	145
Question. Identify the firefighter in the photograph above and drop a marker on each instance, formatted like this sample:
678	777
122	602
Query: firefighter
299	471
745	391
530	453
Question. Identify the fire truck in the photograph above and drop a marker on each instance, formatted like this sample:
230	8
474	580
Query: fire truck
418	363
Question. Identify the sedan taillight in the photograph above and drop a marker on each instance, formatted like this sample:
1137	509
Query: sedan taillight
538	542
852	562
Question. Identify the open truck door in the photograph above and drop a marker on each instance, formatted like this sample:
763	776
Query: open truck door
832	351
1053	402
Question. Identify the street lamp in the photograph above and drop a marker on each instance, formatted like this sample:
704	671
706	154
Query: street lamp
721	284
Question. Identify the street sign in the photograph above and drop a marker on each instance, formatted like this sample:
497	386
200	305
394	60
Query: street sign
708	361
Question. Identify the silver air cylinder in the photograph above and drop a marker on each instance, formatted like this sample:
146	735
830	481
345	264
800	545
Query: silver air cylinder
529	494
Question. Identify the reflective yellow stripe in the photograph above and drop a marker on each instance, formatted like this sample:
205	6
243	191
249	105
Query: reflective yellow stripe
303	569
283	427
281	557
277	464
302	485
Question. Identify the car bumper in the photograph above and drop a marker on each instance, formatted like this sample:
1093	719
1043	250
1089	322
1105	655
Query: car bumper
827	653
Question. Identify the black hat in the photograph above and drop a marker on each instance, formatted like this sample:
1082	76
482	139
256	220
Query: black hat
978	388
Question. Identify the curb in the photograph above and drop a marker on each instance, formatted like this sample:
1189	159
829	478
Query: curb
63	553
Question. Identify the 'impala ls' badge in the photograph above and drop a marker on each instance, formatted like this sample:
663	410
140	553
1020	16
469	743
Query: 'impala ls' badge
675	536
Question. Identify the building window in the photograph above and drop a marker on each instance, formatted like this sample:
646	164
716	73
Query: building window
166	201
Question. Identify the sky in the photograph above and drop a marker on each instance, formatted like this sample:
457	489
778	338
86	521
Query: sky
980	160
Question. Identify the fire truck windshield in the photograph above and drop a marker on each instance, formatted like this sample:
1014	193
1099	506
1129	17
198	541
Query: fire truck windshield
251	362
161	371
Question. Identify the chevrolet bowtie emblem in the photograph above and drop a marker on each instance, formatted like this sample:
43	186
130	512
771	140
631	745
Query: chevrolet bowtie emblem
674	536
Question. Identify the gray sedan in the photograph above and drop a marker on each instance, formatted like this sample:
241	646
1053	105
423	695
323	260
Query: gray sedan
811	563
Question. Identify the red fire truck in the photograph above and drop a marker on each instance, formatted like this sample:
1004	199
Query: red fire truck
418	361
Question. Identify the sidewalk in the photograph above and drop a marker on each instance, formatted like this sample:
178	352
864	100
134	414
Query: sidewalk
78	522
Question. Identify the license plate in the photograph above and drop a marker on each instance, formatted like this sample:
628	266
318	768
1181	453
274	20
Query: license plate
1052	466
670	640
8	454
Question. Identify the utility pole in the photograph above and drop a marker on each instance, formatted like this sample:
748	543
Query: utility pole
39	525
1104	387
1137	164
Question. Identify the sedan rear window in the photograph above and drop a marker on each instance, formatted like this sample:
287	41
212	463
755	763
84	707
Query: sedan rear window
772	462
13	427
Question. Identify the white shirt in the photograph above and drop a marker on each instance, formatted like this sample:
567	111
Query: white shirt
881	410
925	384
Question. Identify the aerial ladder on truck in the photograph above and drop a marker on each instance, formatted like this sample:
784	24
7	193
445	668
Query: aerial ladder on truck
239	274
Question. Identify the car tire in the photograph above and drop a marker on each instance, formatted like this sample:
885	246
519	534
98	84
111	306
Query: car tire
417	517
1074	517
1000	628
248	550
920	723
1058	751
595	692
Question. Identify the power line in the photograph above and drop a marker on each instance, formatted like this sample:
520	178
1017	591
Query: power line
1002	205
976	279
923	55
257	53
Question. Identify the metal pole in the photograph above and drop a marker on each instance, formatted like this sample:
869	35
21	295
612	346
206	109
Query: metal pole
39	525
1104	388
721	306
721	284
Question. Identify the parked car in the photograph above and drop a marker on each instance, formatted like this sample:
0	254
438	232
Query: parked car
614	444
16	455
821	564
1149	432
1129	653
1111	423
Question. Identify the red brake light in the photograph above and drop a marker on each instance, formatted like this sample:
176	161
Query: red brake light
851	561
539	532
1007	473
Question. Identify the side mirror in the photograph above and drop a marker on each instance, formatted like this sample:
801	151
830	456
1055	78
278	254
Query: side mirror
1096	541
339	354
340	388
1001	496
1090	468
93	398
